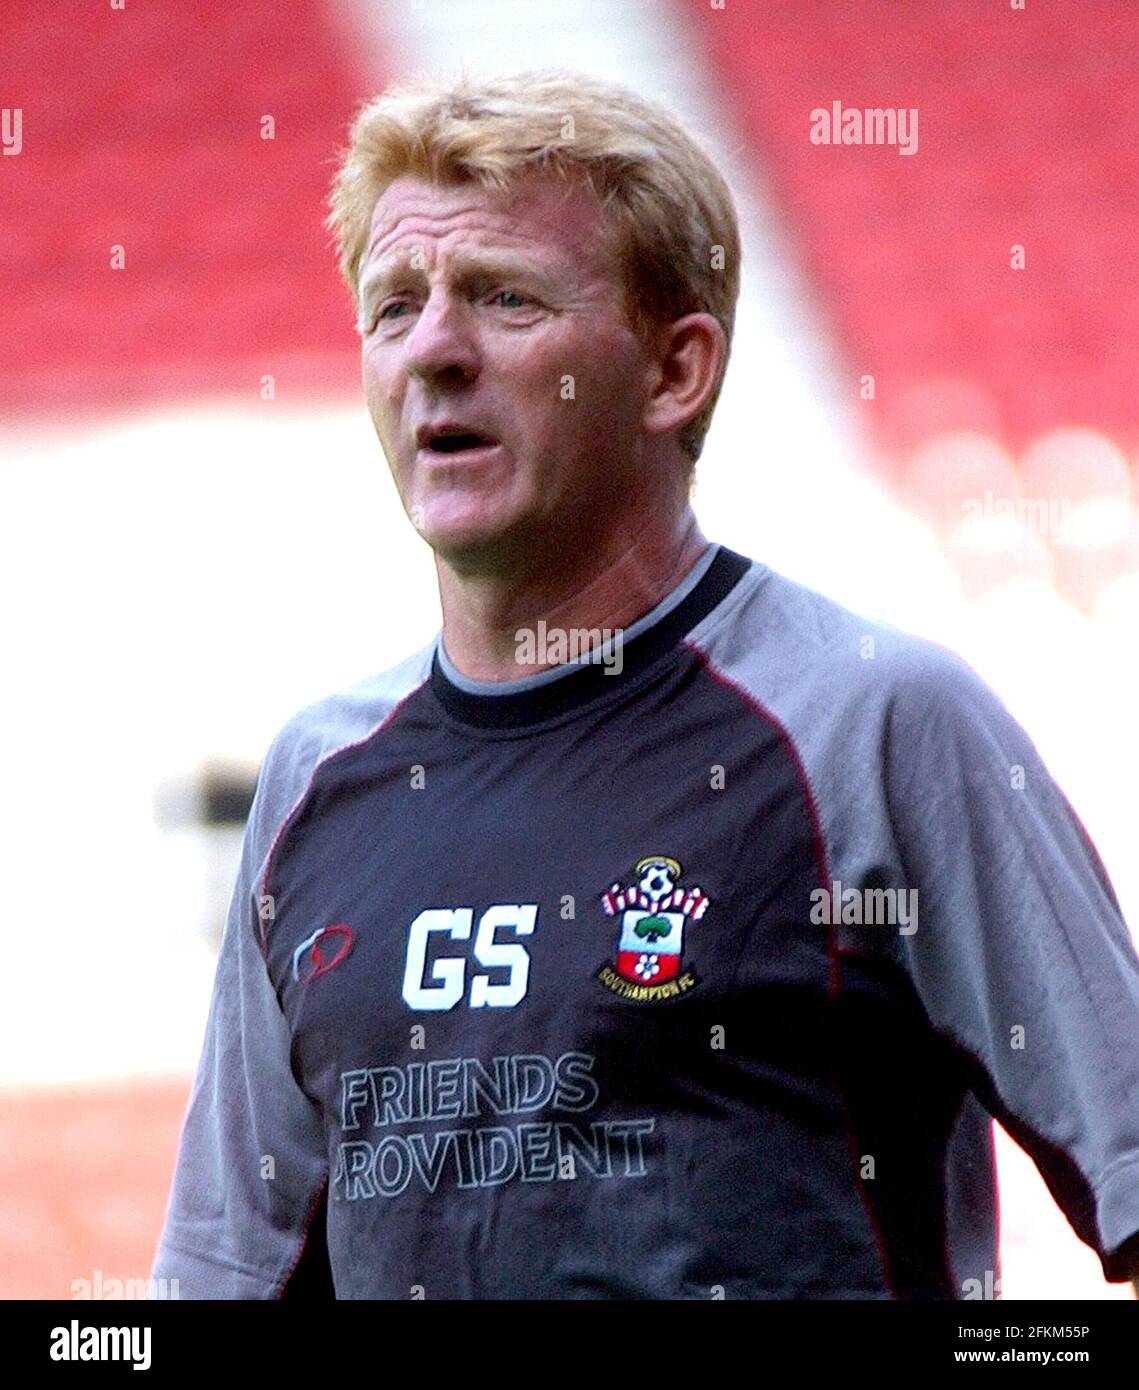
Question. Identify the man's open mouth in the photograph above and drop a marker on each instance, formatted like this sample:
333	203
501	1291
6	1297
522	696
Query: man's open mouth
448	439
454	443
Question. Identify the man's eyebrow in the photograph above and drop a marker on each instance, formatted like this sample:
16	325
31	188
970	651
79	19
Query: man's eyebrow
379	278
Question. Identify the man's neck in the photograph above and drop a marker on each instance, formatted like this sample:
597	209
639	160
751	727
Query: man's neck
613	586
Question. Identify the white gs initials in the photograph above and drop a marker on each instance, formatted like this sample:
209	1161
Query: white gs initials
449	971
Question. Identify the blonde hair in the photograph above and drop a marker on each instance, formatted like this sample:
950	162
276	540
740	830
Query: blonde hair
676	231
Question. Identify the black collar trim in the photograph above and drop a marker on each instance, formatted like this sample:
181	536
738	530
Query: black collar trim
591	682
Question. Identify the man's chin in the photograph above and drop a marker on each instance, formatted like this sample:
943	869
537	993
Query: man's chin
462	539
476	544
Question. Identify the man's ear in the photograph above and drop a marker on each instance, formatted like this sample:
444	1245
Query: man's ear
688	356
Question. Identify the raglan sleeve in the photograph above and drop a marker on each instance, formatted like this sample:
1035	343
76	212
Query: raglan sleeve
251	1167
1022	957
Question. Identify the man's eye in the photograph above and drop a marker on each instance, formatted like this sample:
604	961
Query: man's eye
382	314
523	299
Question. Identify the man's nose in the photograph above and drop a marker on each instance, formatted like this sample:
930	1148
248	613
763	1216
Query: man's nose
442	339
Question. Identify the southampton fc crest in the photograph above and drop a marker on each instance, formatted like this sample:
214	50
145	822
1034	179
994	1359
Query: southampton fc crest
652	912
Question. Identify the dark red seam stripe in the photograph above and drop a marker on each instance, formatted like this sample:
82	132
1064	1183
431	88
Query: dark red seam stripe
823	871
336	753
313	1208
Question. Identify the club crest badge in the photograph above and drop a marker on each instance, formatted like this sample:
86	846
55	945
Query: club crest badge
652	912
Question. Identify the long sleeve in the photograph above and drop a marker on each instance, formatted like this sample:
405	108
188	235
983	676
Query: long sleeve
1021	956
252	1162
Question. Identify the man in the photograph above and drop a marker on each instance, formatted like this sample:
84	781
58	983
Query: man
662	929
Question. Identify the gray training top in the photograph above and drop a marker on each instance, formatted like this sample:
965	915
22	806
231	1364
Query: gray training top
698	976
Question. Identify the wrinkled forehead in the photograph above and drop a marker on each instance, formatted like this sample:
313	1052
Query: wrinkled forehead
539	209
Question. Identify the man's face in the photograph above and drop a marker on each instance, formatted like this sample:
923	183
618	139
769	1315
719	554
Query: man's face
503	318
